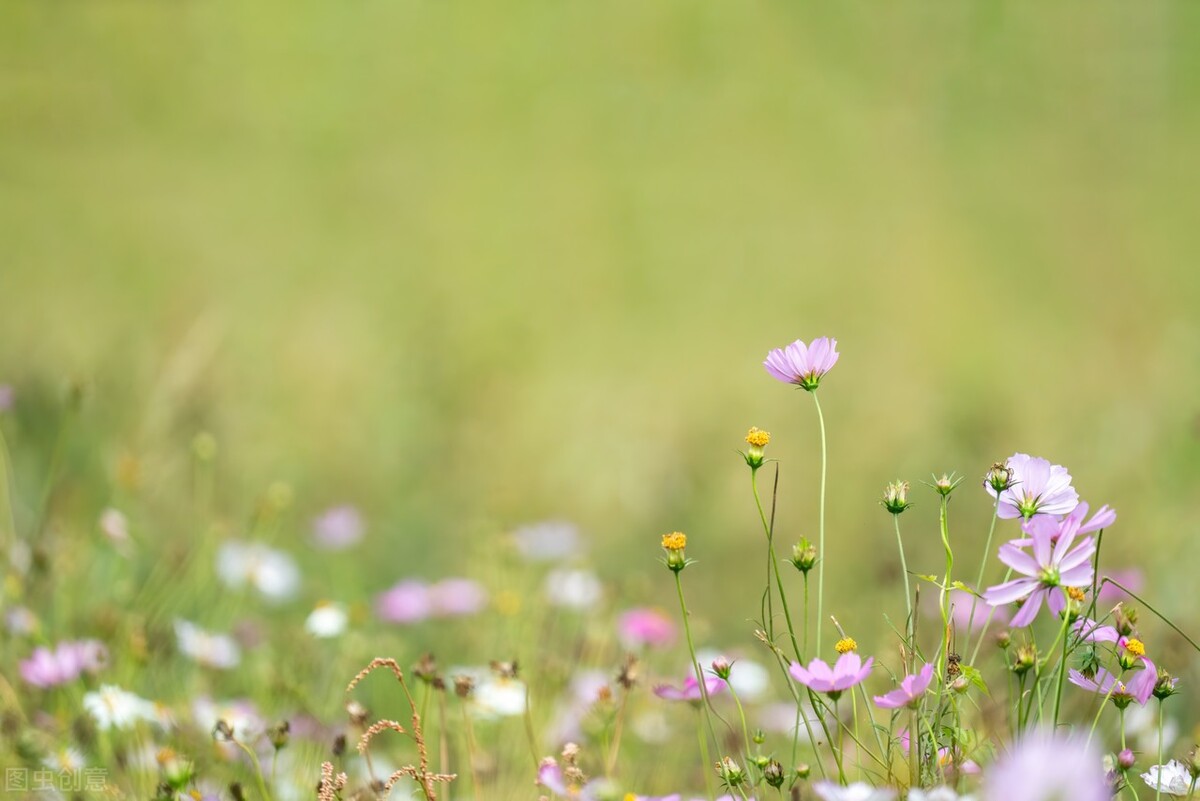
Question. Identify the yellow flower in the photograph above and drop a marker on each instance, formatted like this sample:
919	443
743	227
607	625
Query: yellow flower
846	645
757	437
1135	647
675	541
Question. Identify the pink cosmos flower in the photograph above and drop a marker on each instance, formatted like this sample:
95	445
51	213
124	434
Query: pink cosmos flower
338	527
1043	766
909	692
1038	488
802	364
455	597
407	602
67	662
849	670
646	627
690	691
1139	688
1054	564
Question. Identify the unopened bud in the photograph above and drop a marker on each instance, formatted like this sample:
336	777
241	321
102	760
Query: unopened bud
1126	759
804	555
721	667
1024	660
999	477
1003	640
773	774
895	497
802	770
279	734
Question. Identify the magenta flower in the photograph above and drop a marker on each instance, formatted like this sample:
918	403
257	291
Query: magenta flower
1054	564
1038	488
1139	688
909	692
849	670
802	364
67	662
646	627
1043	766
690	691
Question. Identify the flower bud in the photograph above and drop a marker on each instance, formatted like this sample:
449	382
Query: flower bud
1164	687
1126	759
176	770
895	497
773	774
999	477
759	737
279	734
1024	660
721	667
1193	762
731	772
1003	639
945	484
802	770
804	555
960	685
1125	620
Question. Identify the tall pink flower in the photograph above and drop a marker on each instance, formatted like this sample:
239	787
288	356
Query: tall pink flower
65	663
849	670
1052	565
1047	766
1038	488
910	690
801	364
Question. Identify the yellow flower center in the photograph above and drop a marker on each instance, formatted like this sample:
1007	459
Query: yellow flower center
1135	647
757	437
846	645
1075	594
675	541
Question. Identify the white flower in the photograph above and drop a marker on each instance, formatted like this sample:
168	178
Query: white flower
273	573
114	708
859	791
65	759
575	589
206	648
937	794
115	526
327	620
548	541
494	696
1172	778
241	716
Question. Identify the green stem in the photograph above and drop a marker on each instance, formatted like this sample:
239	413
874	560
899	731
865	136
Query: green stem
1062	664
1157	613
742	715
987	549
904	568
821	526
769	530
1158	784
987	623
914	749
707	760
705	707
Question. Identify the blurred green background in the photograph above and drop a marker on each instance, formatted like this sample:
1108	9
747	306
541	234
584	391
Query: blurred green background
471	265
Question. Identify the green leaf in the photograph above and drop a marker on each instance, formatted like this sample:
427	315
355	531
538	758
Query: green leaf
976	678
958	585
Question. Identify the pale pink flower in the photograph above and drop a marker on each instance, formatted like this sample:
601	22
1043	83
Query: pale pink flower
801	364
1053	564
1038	488
65	663
646	627
1044	766
910	690
338	527
406	602
1139	688
690	691
456	597
849	670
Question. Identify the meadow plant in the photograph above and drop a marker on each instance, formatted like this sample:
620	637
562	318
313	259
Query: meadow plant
1042	674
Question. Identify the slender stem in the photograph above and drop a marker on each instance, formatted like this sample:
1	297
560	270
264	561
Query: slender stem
1121	717
1158	784
806	613
1100	711
618	728
705	707
944	525
769	530
470	732
987	549
742	715
1191	789
841	741
821	525
1062	665
1157	613
914	748
904	569
706	760
258	774
987	624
